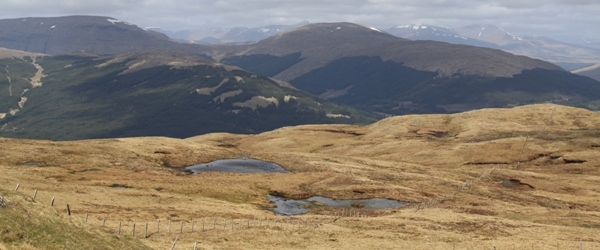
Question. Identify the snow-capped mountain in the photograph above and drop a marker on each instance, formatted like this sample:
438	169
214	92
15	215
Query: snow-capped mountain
435	33
567	55
489	33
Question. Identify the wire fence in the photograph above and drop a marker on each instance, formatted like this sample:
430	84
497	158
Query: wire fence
201	227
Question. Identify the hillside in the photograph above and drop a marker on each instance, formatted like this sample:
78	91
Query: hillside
520	178
375	71
591	71
29	225
148	93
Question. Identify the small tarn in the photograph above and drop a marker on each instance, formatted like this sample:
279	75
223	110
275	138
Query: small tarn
516	185
241	165
285	206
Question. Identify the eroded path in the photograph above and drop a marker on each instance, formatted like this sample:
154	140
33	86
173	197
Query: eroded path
36	81
9	81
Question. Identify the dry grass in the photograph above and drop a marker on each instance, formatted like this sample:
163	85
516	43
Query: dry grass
408	158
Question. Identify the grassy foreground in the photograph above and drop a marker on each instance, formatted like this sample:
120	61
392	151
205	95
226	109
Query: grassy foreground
25	224
530	174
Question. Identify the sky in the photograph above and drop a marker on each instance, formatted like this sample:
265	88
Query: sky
549	18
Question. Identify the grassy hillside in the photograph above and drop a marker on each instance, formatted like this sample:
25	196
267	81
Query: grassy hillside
29	225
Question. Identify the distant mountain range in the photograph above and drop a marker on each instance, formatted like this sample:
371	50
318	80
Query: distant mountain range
235	35
372	70
106	78
568	56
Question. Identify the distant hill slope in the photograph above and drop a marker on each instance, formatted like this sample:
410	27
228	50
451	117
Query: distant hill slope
591	71
151	93
96	34
375	71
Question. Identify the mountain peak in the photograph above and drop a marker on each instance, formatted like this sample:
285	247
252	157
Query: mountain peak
96	34
330	35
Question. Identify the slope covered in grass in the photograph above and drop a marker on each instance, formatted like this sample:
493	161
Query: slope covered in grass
25	224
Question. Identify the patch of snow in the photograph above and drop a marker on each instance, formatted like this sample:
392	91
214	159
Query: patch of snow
53	26
480	34
338	28
264	30
113	21
42	23
337	116
375	29
152	28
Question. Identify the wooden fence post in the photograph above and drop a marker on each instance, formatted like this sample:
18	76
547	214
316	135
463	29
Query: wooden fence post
119	231
68	210
86	218
158	226
181	229
192	226
52	202
133	230
174	242
17	188
146	232
34	194
104	221
202	224
195	245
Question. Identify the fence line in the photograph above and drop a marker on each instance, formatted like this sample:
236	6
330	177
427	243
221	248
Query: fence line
290	222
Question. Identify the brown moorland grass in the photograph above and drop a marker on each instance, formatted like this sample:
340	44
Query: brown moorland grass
544	192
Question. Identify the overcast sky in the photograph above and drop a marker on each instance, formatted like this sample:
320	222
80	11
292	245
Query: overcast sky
521	17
